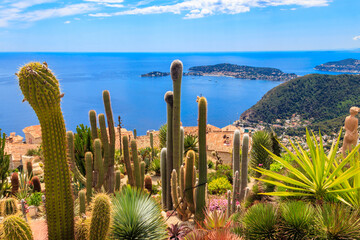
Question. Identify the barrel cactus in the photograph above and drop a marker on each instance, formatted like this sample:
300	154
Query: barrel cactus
100	220
41	89
9	206
16	228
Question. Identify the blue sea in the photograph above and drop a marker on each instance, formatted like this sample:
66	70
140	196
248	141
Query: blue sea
140	101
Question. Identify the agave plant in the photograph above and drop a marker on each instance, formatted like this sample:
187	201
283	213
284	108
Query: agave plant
336	221
215	219
137	216
260	222
178	231
297	220
318	175
190	143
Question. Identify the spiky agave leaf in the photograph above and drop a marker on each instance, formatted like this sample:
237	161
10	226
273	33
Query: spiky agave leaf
297	220
317	174
260	222
137	216
336	221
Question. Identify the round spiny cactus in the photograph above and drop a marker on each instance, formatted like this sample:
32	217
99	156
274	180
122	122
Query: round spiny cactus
82	229
9	206
100	221
148	183
41	89
15	228
36	183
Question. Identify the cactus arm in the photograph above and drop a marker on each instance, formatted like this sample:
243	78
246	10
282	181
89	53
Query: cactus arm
176	70
89	175
137	171
71	157
41	90
82	202
129	170
110	181
244	167
169	146
93	124
164	183
200	198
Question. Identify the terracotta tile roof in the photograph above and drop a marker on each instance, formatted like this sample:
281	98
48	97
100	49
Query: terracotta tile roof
230	128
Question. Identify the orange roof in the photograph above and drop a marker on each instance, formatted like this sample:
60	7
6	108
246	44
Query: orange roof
230	128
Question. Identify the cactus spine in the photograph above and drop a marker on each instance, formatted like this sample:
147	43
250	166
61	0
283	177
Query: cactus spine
129	170
82	202
14	183
182	150
16	228
117	180
9	207
169	99
201	190
236	158
244	167
89	175
100	220
163	172
176	71
41	90
36	183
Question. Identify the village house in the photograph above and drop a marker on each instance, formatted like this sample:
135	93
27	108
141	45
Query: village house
32	134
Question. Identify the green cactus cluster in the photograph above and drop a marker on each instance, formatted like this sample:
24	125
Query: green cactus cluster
100	217
41	89
16	228
183	193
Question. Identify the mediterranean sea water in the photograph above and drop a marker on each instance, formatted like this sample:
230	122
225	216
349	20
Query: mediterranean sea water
140	101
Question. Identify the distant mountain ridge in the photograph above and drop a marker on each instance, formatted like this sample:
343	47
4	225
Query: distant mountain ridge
325	98
349	65
233	70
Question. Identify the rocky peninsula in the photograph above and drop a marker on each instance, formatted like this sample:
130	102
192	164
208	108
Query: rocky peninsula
233	70
349	65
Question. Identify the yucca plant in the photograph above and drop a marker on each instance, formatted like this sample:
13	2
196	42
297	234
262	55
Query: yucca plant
297	220
336	221
137	216
260	222
317	175
191	143
259	157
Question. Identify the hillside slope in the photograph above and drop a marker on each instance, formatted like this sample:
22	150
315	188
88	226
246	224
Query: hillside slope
325	98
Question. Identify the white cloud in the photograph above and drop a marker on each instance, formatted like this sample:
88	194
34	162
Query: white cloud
67	22
105	1
29	3
356	38
202	8
113	5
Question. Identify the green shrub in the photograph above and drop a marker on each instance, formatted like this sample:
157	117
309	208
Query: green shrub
260	222
336	221
137	216
34	199
297	220
219	186
210	164
222	171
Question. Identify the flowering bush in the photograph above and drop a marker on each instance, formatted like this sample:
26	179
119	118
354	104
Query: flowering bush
219	185
218	204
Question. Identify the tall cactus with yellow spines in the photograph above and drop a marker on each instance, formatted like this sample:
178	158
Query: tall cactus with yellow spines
189	181
89	175
137	170
100	217
41	89
169	99
176	72
201	190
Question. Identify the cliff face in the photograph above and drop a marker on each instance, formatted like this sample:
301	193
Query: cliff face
325	98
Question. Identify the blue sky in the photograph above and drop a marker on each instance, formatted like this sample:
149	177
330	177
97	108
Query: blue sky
178	25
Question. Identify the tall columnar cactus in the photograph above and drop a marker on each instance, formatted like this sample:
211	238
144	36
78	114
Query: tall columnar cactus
100	217
228	211
89	175
29	169
127	161
82	202
244	166
117	180
9	207
14	183
182	150
137	170
177	197
169	99
93	124
99	168
176	71
142	173
236	183
189	180
36	183
4	163
201	191
236	152
152	146
135	133
16	228
109	180
164	183
41	89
